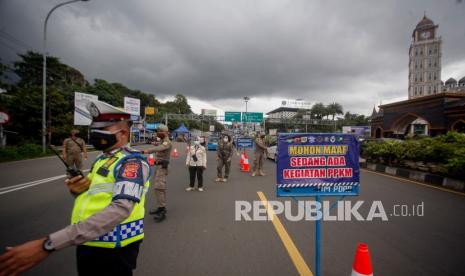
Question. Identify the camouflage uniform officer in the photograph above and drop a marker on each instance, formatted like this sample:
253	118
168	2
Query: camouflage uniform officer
163	152
224	155
259	154
72	148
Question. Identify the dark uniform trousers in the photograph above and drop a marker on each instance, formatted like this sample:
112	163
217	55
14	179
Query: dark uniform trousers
160	185
100	261
196	171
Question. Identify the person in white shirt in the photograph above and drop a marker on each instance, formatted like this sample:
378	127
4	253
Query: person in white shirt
197	162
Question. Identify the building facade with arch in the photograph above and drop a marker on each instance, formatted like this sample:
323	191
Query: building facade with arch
433	106
430	115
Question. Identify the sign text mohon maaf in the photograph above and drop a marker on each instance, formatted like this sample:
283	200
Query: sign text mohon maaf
311	164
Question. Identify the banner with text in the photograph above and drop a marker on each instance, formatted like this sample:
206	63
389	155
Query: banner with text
81	114
132	106
311	164
244	142
149	110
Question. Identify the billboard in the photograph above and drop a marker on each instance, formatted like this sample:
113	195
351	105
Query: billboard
149	110
298	103
357	130
81	114
208	112
132	106
151	126
311	164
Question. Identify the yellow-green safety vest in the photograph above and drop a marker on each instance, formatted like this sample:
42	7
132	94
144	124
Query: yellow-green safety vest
99	196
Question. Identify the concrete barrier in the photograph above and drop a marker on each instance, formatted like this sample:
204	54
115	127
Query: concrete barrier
428	178
391	170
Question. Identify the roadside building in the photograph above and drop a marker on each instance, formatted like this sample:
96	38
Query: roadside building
433	107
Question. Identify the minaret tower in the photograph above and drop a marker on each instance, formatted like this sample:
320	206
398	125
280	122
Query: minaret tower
424	60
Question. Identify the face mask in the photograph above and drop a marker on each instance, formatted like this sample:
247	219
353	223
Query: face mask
102	139
225	139
196	143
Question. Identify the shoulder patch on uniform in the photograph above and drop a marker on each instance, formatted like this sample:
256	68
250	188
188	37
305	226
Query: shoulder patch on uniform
130	169
165	143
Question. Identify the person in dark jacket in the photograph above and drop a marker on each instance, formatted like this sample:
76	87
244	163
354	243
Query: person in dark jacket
224	155
259	154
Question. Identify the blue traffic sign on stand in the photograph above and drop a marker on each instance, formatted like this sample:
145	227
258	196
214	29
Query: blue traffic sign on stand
317	164
245	142
312	164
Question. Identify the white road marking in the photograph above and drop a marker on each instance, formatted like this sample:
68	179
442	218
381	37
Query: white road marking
17	187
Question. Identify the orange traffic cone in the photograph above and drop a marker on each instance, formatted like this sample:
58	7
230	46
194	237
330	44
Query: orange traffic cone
174	154
151	160
245	164
241	162
362	262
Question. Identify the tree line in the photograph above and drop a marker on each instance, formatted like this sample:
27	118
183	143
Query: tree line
21	98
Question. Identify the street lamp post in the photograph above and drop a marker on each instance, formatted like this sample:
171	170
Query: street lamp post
246	99
44	73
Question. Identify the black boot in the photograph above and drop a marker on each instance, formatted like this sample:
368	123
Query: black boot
155	211
161	215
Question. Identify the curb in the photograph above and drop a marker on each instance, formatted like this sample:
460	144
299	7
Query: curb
428	178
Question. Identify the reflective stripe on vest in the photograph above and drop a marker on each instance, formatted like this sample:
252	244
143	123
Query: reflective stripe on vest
99	196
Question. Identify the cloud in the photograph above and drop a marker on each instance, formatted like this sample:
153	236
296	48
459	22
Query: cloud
352	52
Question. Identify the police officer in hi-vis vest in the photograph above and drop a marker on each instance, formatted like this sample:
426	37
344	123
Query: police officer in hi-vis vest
108	213
163	153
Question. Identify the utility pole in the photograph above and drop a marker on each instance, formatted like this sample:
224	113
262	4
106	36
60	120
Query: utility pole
244	124
44	76
1	136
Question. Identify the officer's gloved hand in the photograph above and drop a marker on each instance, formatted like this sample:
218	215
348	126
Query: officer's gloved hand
78	184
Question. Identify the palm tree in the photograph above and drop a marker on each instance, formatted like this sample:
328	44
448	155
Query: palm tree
318	110
334	109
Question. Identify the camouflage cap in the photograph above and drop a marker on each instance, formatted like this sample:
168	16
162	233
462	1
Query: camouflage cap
162	127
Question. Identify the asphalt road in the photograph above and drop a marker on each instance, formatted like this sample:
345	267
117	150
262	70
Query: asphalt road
201	236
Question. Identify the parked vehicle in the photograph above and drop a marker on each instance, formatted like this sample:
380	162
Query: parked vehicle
272	152
150	140
212	143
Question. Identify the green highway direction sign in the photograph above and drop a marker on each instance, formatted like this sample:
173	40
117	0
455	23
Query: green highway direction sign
232	116
252	117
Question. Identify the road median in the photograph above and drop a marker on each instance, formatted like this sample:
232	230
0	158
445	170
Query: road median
423	177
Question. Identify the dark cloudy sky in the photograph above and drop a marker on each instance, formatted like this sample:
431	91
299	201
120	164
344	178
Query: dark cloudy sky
218	51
